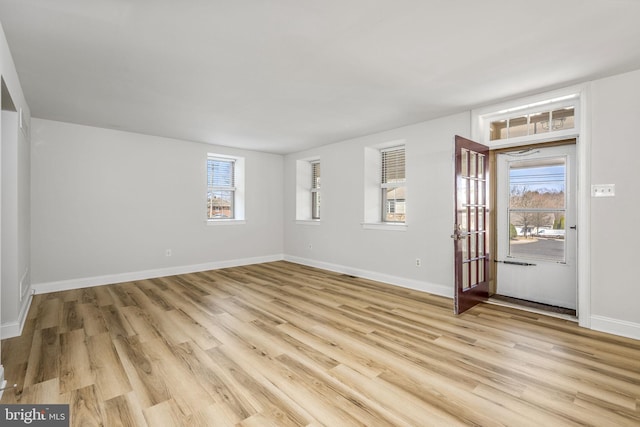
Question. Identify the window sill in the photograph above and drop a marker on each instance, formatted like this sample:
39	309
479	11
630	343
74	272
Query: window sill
307	222
384	226
226	222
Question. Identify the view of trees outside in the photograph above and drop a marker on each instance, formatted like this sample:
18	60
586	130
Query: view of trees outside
537	209
530	216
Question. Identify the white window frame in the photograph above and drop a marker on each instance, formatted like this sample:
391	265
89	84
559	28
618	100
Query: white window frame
304	191
238	205
385	186
373	204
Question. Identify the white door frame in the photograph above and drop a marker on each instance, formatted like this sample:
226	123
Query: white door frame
479	124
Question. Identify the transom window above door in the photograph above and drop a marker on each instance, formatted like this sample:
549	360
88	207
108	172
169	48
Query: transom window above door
533	123
535	120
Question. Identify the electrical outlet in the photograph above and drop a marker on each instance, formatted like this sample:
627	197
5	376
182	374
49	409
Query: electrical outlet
603	190
418	262
167	252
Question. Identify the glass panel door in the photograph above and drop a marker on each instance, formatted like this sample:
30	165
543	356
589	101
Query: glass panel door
470	230
536	214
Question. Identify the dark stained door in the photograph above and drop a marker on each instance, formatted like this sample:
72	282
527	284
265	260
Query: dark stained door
472	267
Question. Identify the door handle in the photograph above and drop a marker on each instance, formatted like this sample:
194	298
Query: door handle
457	235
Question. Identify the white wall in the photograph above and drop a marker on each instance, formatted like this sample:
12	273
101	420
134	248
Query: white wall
12	310
339	241
15	221
108	204
615	157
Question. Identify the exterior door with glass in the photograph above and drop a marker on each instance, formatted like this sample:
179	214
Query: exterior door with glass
536	233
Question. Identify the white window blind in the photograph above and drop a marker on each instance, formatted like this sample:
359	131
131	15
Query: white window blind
315	190
315	175
220	188
393	181
393	165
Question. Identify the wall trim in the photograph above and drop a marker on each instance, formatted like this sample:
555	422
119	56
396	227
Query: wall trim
84	282
3	382
616	326
14	328
583	155
418	285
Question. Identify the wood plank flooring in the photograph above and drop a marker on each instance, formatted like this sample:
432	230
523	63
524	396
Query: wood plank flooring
280	344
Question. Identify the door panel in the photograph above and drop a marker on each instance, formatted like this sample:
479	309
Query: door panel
470	237
536	212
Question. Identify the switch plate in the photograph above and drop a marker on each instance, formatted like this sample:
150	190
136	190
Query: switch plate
603	190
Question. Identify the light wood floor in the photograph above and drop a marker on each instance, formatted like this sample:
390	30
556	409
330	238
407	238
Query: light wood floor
280	344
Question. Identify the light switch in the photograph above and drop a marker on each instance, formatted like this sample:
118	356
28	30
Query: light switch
603	190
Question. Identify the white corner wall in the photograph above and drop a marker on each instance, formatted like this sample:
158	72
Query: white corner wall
15	221
12	309
339	242
108	204
615	154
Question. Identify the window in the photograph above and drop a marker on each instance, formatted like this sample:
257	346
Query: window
393	184
225	189
308	198
385	187
537	119
315	190
534	123
537	208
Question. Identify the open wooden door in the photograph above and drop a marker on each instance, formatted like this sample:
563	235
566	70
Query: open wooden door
472	267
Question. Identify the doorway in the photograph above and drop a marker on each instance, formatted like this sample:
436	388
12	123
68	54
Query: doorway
536	233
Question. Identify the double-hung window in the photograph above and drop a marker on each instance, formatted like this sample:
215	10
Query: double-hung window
315	190
221	189
308	198
393	184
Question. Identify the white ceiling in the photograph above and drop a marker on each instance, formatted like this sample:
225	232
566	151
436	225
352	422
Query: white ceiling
286	75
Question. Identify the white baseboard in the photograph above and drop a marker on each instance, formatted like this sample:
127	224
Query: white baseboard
14	328
418	285
65	285
616	326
